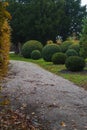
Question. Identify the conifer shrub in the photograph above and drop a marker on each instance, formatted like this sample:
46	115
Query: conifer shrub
71	52
83	39
65	45
75	63
30	46
36	54
49	50
76	47
4	38
59	58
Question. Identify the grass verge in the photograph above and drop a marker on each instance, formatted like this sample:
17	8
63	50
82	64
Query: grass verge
79	78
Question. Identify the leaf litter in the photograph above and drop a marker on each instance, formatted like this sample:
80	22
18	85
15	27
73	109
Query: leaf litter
14	120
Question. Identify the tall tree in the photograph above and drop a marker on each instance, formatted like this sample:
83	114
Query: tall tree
45	19
83	39
4	37
74	15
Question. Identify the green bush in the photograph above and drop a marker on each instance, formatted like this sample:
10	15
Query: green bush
76	47
49	50
59	58
75	63
71	52
36	55
29	46
65	45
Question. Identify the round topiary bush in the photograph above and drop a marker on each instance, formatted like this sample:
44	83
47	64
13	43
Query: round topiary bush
59	58
71	52
76	47
29	46
75	63
65	45
49	50
36	55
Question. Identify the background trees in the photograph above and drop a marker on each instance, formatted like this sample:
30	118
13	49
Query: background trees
83	39
45	19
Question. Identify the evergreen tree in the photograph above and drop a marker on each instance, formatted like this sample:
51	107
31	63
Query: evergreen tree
45	19
4	37
83	39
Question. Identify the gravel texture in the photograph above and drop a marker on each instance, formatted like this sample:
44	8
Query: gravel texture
46	98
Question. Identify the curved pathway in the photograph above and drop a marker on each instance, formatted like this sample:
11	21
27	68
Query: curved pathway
47	98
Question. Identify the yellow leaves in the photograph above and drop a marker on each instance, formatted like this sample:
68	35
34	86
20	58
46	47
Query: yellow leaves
7	14
5	102
4	14
5	4
0	88
49	42
4	39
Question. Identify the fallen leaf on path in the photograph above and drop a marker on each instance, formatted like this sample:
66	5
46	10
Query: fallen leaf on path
33	113
14	121
24	105
63	124
6	102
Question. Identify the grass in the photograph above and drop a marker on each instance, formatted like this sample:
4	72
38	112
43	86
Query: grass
79	78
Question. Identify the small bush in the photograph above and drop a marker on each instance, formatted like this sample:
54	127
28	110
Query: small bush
29	46
49	50
65	45
36	55
76	47
75	63
59	58
71	52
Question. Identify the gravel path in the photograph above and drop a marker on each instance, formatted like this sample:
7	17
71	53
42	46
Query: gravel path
47	98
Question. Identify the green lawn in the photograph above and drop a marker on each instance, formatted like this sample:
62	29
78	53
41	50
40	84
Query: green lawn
79	78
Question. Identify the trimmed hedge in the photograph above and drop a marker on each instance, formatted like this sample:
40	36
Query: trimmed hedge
75	63
36	55
30	46
71	52
59	58
76	47
49	50
65	45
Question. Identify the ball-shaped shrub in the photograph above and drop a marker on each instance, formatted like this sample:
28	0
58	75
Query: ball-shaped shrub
29	46
65	45
59	58
49	50
75	63
76	47
36	54
71	52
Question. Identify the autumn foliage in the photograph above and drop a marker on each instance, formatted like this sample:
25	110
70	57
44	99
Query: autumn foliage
4	37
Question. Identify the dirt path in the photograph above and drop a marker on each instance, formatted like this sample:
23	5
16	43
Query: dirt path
46	98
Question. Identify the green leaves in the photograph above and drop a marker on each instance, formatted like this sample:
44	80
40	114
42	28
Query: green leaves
83	39
45	19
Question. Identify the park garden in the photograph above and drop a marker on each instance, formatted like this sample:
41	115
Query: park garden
63	59
58	28
51	34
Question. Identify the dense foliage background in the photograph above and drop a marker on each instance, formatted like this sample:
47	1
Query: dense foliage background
45	19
